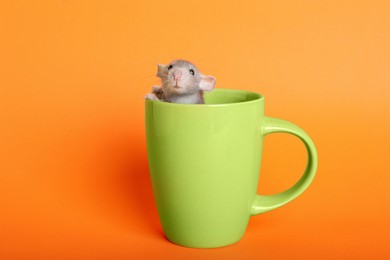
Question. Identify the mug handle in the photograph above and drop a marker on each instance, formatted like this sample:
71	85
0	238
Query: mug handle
264	203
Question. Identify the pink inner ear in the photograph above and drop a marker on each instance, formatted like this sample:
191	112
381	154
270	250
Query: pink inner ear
161	70
207	83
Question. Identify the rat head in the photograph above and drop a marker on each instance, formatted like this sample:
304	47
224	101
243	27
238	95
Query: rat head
183	77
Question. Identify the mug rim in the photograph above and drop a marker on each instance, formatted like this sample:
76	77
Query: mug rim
259	98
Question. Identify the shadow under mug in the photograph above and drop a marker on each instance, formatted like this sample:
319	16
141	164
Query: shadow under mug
204	162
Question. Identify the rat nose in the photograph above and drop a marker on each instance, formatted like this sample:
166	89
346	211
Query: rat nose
177	74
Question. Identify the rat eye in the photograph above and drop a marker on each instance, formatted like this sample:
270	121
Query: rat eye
170	66
192	72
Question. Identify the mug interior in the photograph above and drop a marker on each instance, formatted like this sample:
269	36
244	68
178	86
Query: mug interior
229	96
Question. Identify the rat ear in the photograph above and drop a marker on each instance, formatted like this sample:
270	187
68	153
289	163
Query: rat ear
207	82
161	70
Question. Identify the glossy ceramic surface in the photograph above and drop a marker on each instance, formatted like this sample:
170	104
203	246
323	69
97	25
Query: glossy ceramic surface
204	162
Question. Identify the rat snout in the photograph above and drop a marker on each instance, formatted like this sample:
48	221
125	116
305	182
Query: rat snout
177	74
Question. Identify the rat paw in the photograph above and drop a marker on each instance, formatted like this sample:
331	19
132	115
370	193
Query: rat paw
156	89
151	96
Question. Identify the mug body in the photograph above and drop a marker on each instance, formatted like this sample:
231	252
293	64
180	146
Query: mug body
204	162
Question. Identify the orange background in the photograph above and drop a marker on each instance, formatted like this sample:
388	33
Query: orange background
74	181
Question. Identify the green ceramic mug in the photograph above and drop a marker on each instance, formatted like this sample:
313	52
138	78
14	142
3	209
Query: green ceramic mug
204	162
